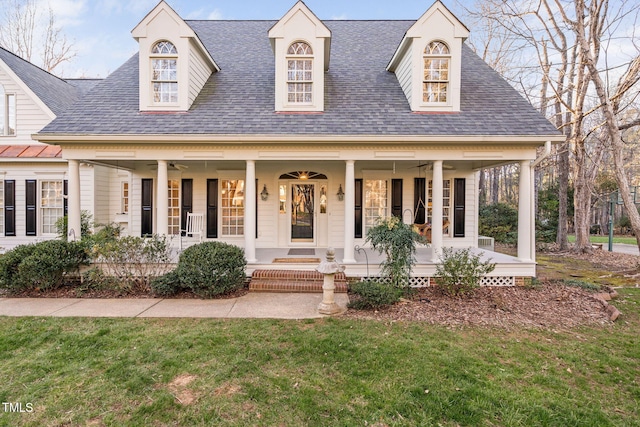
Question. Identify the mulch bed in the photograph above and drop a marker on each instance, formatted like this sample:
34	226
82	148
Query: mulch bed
543	306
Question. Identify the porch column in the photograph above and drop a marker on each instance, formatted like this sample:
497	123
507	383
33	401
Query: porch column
73	202
524	211
162	216
436	210
250	212
349	213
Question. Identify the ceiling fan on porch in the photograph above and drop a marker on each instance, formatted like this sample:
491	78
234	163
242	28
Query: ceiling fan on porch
171	165
429	166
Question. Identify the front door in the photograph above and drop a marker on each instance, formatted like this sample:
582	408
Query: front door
302	212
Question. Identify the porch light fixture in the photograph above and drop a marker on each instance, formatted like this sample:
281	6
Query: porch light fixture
340	193
264	194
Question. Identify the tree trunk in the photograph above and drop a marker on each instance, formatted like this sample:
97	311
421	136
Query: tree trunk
562	238
495	185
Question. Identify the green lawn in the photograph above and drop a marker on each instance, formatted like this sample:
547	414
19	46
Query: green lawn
331	372
605	239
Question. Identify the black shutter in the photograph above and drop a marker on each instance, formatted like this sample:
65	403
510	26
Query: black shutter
187	201
419	200
212	208
10	208
459	195
257	208
31	203
396	197
358	208
65	199
147	207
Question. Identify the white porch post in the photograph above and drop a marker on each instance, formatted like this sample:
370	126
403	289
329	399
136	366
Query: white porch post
524	211
73	199
533	213
349	213
250	212
436	210
162	216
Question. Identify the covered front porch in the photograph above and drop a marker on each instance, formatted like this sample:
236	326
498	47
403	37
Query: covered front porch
509	269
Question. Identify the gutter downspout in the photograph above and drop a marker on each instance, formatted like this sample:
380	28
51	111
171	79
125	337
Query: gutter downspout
536	162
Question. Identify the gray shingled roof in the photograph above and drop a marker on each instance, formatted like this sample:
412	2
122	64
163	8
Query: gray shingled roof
361	97
56	93
84	85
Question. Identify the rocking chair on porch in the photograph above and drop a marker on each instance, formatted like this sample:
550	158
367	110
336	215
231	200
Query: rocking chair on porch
193	228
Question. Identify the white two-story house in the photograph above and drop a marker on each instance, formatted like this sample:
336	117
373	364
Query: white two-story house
301	133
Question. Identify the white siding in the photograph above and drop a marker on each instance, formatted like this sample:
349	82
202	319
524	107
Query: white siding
403	74
30	117
101	194
41	171
199	72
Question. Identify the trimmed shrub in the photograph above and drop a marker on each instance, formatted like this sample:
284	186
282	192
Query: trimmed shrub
10	262
42	265
167	285
374	294
211	268
459	271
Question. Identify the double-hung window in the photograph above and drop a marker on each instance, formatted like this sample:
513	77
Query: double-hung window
300	73
51	205
164	76
446	201
232	212
174	207
7	113
375	202
435	84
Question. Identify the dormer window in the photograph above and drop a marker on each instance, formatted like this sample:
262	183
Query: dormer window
435	85
164	76
300	73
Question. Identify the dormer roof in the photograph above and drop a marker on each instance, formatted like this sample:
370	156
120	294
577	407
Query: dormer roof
437	12
167	17
301	16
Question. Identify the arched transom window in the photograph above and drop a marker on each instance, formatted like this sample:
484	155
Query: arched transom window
164	76
300	73
435	84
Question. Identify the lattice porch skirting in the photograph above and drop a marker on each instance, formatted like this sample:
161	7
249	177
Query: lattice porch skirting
422	282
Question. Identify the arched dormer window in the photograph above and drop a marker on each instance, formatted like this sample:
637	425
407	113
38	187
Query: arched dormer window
435	84
300	73
164	72
7	113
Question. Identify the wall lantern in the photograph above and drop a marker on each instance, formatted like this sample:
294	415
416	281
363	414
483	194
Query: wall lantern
340	193
264	194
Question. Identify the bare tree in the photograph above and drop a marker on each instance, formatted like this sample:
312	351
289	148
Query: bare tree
591	25
564	36
29	33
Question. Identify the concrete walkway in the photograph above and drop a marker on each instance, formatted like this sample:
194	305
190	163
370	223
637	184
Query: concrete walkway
252	305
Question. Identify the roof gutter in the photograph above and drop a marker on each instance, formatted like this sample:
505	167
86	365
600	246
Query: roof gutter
65	139
544	155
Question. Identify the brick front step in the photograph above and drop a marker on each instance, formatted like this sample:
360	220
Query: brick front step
293	281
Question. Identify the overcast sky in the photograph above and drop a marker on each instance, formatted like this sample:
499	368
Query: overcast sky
101	29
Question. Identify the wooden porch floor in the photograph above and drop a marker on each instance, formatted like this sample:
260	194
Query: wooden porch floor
368	261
